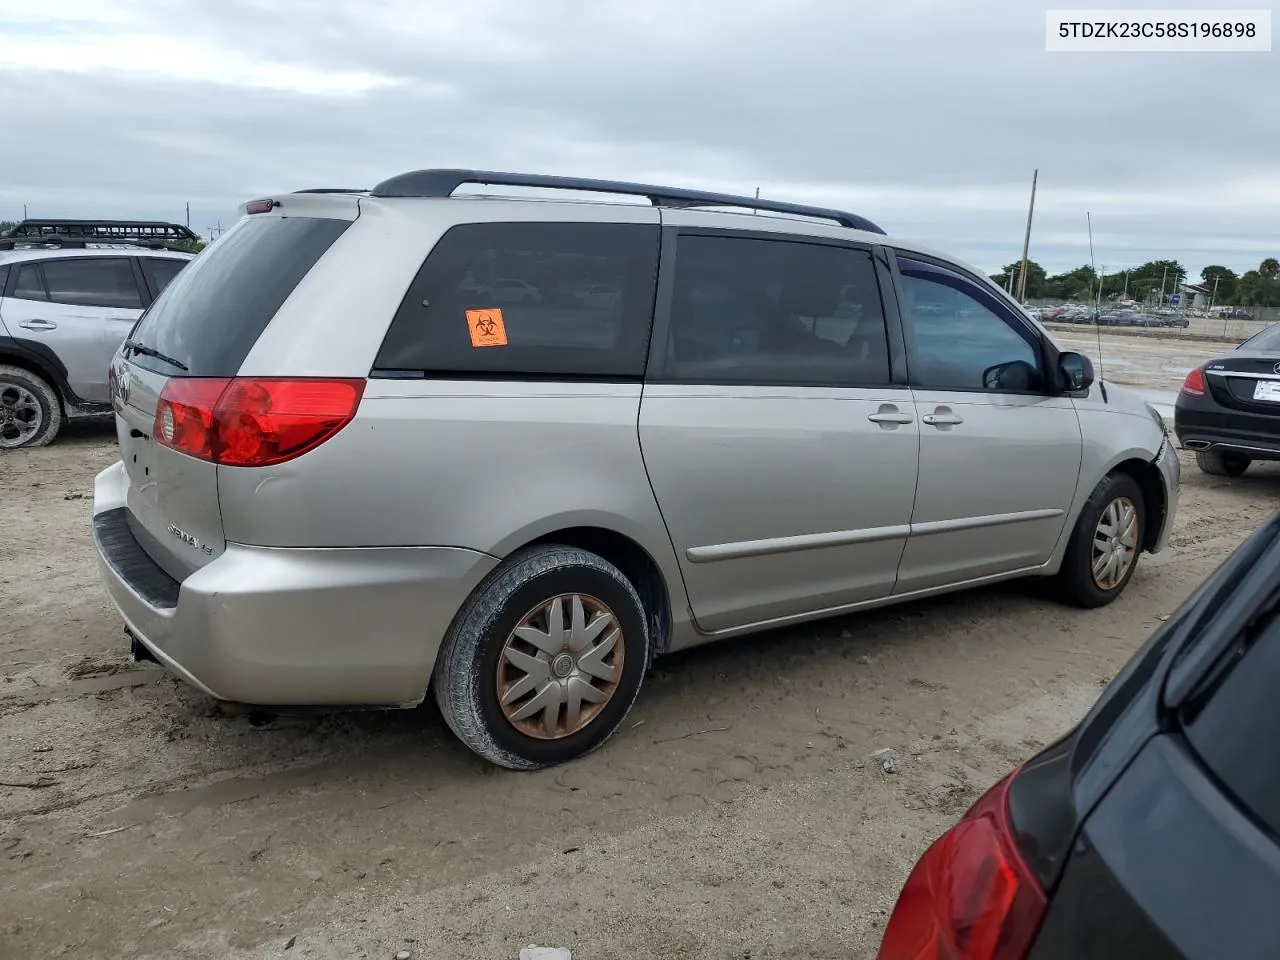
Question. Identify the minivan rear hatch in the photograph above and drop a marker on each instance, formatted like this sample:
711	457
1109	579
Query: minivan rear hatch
199	330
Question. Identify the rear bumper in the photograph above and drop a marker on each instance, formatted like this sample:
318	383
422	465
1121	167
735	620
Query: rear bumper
289	627
1202	424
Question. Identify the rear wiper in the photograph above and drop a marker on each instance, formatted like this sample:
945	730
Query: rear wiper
146	351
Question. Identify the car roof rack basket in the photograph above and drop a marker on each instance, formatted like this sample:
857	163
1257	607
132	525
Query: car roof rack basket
154	234
443	183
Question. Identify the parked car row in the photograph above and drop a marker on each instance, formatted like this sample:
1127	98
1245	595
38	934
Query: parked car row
1111	318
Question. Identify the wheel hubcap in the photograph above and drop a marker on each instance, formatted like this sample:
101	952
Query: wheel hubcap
560	666
1115	543
20	415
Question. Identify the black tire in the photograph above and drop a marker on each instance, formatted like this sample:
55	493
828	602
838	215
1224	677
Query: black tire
1220	464
466	672
17	384
1075	581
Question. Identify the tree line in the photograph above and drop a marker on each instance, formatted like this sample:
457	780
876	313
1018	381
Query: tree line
1253	288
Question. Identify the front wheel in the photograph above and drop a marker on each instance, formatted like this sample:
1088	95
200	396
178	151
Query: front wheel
1104	547
30	413
1219	464
544	660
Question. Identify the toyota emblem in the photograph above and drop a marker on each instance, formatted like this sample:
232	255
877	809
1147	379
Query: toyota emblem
1276	368
122	384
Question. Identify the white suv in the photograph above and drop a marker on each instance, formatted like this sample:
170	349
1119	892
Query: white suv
70	292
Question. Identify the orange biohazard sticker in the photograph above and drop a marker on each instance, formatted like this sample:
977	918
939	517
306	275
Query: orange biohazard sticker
486	328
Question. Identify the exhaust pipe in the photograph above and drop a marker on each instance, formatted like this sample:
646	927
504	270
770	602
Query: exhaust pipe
139	649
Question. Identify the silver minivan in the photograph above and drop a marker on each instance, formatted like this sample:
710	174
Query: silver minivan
351	474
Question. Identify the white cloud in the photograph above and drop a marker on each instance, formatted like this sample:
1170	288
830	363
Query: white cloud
926	116
156	56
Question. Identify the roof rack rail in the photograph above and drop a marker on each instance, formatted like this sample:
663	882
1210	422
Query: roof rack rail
333	190
442	183
67	243
101	230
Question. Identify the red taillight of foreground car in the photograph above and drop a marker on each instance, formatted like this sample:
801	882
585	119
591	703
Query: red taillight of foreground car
971	896
253	422
1193	386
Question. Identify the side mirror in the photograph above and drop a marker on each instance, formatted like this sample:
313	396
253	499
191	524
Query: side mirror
1016	375
1076	370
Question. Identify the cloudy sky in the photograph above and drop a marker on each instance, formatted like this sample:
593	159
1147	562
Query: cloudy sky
927	116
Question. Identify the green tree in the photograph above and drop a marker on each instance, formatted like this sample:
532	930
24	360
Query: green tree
1225	279
1145	281
1035	278
1115	284
1255	290
195	246
1077	284
1268	269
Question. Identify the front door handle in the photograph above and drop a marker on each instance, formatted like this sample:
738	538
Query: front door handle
37	325
942	417
890	416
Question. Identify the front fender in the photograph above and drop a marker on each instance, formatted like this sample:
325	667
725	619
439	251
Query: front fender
1112	438
1171	477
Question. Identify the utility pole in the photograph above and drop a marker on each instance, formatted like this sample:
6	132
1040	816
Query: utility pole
1026	241
1163	277
188	214
24	211
1126	286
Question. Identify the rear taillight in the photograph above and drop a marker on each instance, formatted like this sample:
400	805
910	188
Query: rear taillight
971	896
253	422
1193	386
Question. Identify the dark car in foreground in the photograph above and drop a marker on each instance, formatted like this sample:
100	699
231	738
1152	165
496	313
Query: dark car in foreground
1228	410
1150	831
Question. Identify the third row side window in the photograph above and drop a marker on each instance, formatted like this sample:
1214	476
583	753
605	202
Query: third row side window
748	311
530	299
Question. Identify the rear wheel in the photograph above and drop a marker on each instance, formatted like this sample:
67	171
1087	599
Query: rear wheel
544	660
1221	464
30	413
1104	547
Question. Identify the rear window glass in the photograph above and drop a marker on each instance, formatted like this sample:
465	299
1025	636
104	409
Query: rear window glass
211	314
1268	339
535	299
1237	733
160	271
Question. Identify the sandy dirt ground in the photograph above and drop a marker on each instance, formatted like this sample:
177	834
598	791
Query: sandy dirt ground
739	813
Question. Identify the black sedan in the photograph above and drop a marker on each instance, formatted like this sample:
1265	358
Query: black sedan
1228	410
1150	831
